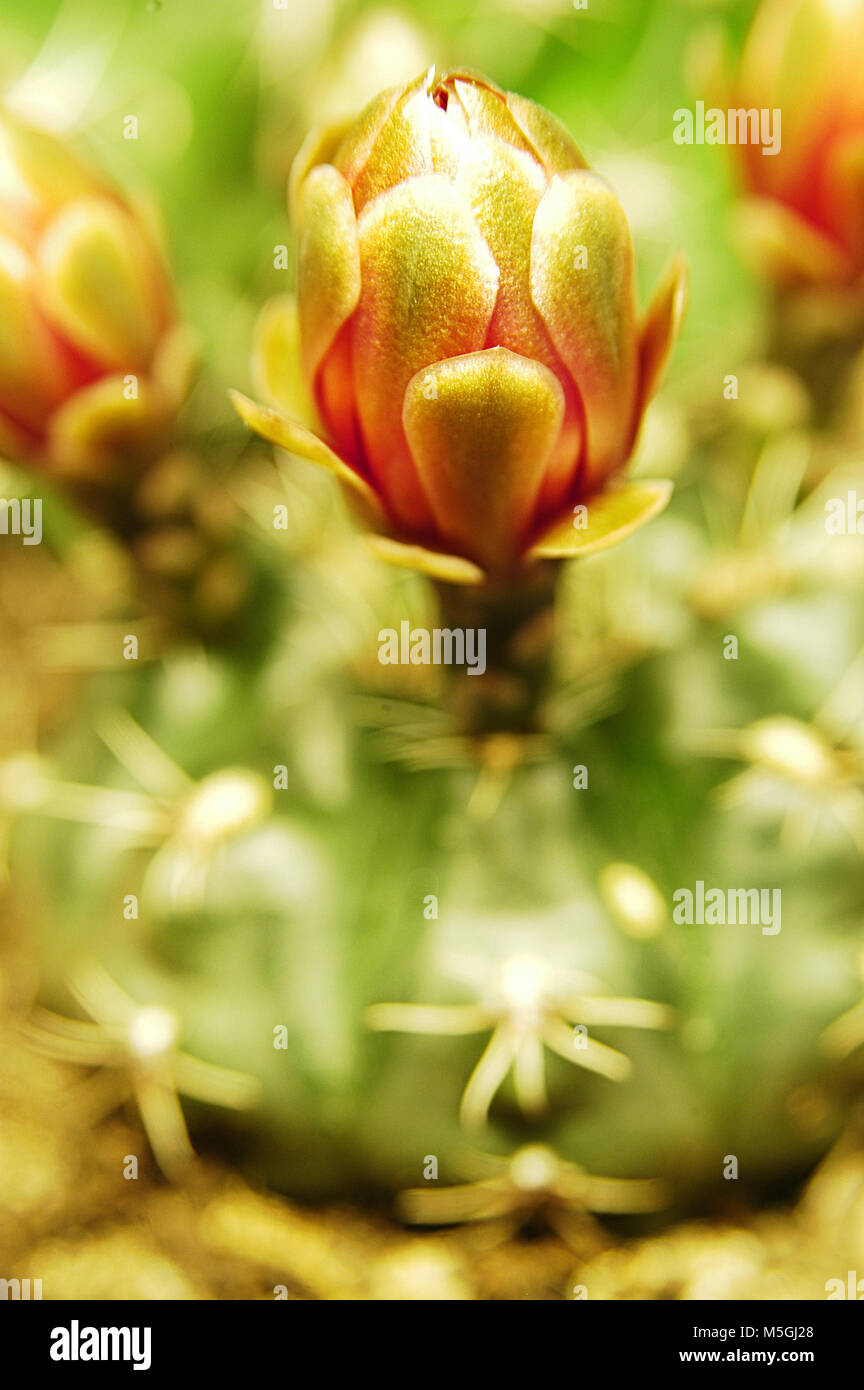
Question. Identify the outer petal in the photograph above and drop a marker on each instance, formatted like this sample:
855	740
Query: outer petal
337	402
14	443
481	440
32	374
791	61
429	287
175	362
297	439
582	284
660	329
328	271
319	147
504	187
435	564
99	425
785	248
418	138
353	151
53	175
96	283
276	369
612	515
489	115
844	190
550	140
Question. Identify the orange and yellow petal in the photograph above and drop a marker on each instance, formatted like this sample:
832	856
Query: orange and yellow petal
660	328
97	283
481	429
608	518
548	137
582	284
429	289
298	439
328	268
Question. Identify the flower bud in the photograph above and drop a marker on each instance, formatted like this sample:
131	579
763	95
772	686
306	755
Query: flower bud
805	219
92	360
467	330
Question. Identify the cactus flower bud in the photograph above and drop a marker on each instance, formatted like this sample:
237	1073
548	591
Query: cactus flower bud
805	216
466	327
92	360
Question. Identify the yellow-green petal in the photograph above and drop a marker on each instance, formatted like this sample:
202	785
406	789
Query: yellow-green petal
328	270
319	147
503	188
51	172
547	136
489	115
610	517
175	362
352	154
402	149
298	439
582	285
481	429
435	564
785	248
97	283
30	370
101	425
660	328
792	61
429	288
277	373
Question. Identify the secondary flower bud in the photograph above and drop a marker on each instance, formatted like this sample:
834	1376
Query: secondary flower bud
467	328
92	360
805	220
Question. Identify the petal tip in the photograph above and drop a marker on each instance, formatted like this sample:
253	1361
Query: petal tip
610	517
435	564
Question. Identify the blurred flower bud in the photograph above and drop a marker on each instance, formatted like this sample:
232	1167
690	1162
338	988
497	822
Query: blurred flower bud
635	900
93	362
805	216
467	327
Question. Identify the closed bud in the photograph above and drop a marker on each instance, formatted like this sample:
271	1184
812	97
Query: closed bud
466	326
804	220
93	362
